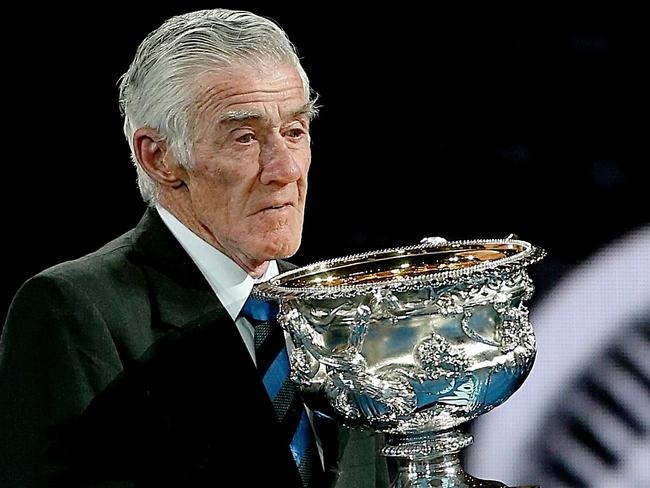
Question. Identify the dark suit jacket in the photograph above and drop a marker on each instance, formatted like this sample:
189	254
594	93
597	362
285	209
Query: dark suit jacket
122	369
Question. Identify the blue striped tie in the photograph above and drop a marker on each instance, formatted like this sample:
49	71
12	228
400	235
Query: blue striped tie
273	367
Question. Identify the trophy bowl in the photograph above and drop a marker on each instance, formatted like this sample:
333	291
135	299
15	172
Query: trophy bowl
411	342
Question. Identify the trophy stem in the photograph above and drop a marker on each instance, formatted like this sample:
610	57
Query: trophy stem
431	460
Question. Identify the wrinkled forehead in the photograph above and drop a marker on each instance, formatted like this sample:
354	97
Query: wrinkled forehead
242	91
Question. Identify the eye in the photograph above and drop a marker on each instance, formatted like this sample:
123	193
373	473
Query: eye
246	138
295	133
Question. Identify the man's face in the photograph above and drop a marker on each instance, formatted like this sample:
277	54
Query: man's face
248	181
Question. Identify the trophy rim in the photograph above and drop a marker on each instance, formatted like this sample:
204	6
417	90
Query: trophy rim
525	255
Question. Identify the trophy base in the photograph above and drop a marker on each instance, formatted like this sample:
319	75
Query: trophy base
431	461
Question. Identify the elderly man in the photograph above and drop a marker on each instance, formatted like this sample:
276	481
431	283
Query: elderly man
134	365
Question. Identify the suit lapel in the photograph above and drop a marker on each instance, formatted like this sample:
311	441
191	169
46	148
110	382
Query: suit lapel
184	305
178	292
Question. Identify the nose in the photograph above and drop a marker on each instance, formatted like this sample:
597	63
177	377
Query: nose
278	163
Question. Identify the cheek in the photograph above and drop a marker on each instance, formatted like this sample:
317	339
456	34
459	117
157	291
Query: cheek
207	193
305	158
213	201
217	179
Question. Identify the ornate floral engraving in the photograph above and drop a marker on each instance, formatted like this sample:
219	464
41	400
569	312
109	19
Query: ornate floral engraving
416	354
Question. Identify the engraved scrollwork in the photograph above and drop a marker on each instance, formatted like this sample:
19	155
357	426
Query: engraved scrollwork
351	390
384	305
446	301
413	341
516	333
360	327
302	332
371	396
304	366
437	357
471	333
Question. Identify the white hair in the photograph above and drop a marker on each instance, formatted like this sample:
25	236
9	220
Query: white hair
158	89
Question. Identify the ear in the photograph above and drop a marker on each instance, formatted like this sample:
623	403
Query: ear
154	157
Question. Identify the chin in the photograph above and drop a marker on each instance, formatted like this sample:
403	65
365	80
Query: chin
281	248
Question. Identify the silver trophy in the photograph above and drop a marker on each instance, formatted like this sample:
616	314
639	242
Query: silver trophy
412	342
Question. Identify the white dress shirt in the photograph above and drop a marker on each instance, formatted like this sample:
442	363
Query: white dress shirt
230	283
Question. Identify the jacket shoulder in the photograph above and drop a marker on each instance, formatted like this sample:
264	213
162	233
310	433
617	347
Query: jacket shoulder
109	281
114	254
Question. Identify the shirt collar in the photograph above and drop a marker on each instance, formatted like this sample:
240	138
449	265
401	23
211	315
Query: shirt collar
231	284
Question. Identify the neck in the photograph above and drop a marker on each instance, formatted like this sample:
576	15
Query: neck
186	215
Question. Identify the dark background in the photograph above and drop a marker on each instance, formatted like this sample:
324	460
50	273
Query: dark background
465	124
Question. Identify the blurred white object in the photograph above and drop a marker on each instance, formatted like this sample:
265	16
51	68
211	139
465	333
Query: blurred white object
590	310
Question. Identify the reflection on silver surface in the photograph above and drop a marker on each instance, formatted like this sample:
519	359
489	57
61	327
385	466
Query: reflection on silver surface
412	342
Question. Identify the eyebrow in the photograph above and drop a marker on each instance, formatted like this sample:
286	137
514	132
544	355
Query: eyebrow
239	116
309	110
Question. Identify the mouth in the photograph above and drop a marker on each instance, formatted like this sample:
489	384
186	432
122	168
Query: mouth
276	207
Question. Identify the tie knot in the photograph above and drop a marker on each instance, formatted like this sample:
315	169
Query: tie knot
256	309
